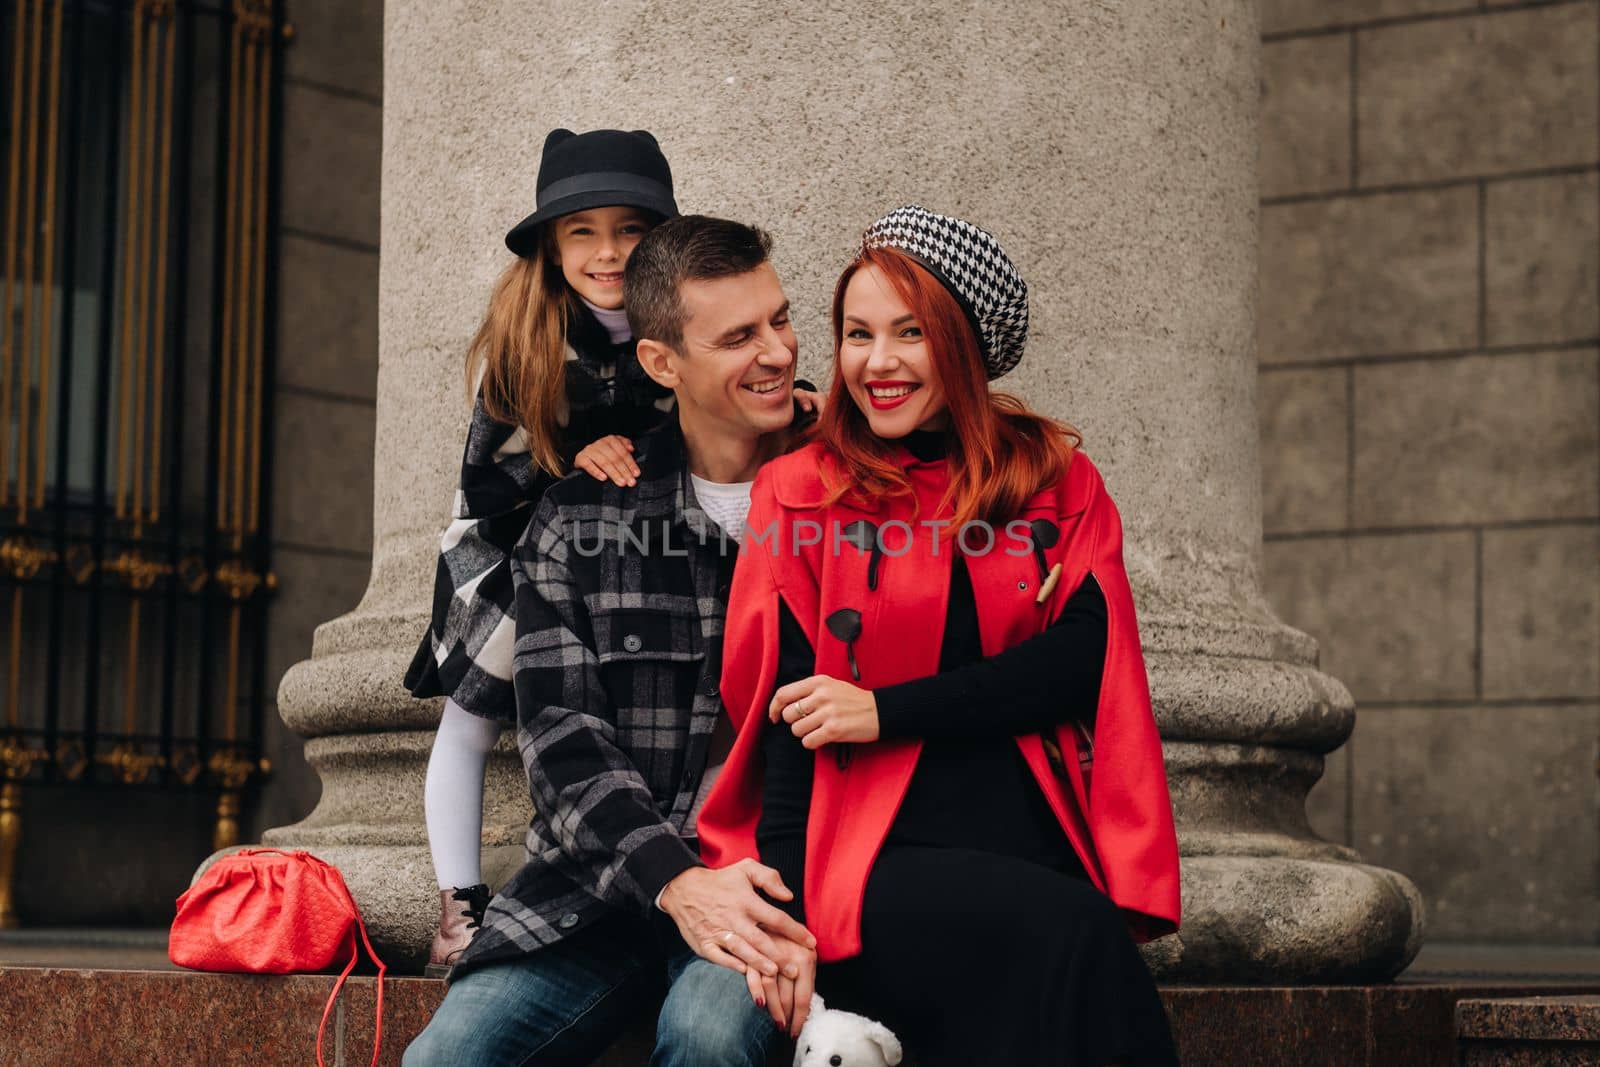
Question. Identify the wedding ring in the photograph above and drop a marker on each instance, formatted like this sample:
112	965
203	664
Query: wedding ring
727	937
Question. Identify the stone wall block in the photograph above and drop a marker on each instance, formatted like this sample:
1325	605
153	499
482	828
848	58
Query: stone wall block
327	318
312	588
1305	115
1286	16
1304	448
338	44
1369	275
1477	439
332	149
322	473
1500	92
1543	259
1491	812
1541	613
1394	615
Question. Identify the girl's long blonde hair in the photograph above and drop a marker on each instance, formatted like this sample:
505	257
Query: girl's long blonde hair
520	352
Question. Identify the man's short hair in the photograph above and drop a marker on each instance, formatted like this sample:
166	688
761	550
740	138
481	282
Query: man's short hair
690	247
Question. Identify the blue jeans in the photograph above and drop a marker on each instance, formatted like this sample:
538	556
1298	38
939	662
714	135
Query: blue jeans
564	1005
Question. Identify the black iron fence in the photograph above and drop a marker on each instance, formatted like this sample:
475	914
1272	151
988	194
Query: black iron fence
140	154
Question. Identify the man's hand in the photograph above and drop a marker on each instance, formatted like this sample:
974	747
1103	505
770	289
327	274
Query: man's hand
724	919
787	1000
825	711
609	459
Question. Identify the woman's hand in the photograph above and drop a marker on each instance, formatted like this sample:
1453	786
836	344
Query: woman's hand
809	401
825	711
787	1000
609	459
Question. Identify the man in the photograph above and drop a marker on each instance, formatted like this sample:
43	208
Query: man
621	592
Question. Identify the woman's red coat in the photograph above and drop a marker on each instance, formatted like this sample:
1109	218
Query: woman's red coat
1121	826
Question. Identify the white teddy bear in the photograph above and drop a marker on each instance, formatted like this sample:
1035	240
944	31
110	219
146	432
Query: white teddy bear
842	1039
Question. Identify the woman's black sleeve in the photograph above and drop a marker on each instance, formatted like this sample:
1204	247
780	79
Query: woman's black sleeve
1048	679
786	795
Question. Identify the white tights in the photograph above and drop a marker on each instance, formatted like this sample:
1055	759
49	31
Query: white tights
453	794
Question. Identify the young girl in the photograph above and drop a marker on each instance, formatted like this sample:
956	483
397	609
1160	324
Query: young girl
557	387
554	373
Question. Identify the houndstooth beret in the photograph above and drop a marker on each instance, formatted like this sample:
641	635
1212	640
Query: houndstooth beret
971	264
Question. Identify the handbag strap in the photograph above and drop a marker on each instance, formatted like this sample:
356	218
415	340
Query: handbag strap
355	954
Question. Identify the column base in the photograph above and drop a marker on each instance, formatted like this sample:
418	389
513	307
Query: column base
1279	920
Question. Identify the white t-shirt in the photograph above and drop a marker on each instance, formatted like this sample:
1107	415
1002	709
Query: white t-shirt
725	503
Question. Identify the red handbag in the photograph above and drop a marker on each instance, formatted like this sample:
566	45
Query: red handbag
265	911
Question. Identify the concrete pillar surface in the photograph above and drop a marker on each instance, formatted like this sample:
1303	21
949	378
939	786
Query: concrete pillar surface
1111	147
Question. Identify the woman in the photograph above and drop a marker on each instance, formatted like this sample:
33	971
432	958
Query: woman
974	885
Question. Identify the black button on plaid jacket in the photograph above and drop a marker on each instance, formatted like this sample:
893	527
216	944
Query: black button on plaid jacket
620	597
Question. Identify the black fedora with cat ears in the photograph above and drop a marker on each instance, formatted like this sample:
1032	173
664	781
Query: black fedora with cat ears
601	168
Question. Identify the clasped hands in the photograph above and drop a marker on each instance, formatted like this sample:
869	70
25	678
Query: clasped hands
719	913
725	921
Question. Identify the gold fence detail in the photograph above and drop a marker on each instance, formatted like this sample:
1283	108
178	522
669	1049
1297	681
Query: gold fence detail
30	249
144	191
25	351
142	357
245	265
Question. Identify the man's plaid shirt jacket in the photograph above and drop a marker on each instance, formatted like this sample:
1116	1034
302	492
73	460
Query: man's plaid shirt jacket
620	597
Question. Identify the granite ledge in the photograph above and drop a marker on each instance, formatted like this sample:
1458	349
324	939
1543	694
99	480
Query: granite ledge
1544	1018
180	1017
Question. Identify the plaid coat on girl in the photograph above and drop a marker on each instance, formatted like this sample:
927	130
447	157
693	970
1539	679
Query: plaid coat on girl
466	652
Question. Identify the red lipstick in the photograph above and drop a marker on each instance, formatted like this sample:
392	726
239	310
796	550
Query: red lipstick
890	403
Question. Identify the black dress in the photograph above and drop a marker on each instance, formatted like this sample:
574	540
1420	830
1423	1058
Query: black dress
983	940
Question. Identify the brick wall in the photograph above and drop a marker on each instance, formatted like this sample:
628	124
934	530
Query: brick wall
1430	418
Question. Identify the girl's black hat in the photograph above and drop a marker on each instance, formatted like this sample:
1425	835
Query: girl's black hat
601	168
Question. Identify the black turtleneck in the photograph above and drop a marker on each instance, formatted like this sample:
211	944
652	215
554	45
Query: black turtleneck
971	787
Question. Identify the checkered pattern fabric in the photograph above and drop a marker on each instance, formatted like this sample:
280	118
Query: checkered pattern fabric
618	656
466	652
973	266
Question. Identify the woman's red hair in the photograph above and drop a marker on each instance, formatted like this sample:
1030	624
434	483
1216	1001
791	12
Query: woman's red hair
1000	452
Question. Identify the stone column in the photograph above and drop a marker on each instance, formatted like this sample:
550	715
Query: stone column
1112	148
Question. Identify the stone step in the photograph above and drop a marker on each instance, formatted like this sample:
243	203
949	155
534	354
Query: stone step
1516	1031
67	1015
